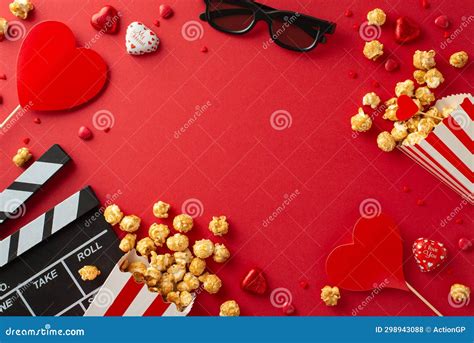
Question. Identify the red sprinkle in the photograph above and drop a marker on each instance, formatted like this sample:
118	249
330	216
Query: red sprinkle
425	4
26	140
84	133
166	11
459	221
204	49
156	22
446	34
353	74
406	189
107	129
442	21
464	244
288	309
420	202
3	77
37	120
1	99
375	84
304	284
391	65
355	27
348	13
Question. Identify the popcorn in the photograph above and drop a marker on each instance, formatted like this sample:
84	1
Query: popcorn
138	270
361	121
376	17
460	293
183	257
177	242
459	59
189	283
433	78
22	156
211	283
89	273
152	276
446	111
185	298
373	49
180	299
177	271
160	209
113	215
414	138
197	266
3	27
425	96
145	246
433	112
183	223
219	226
221	253
391	110
412	124
130	223
21	8
371	99
406	87
419	76
330	295
425	125
161	262
128	242
166	284
385	141
230	308
424	60
158	233
203	248
399	131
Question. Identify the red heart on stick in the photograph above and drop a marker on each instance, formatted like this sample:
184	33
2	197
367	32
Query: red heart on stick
107	20
406	30
53	74
407	108
429	254
373	259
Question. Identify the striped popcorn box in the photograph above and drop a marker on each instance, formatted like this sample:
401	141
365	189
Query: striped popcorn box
120	296
447	152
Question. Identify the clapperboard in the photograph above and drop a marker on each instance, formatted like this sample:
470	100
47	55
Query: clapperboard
39	263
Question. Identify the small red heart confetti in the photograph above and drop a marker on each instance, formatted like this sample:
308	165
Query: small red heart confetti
407	108
375	84
254	282
156	22
37	120
166	11
288	309
406	189
304	284
391	65
204	49
106	20
442	21
107	129
420	202
429	254
352	74
446	34
425	4
3	77
355	27
459	221
26	140
406	30
84	133
1	99
464	244
348	13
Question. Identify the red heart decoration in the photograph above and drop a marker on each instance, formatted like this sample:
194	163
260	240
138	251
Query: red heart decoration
52	74
407	108
107	20
429	254
374	258
406	30
254	282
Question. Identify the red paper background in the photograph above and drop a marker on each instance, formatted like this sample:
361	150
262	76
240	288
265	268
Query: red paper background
235	163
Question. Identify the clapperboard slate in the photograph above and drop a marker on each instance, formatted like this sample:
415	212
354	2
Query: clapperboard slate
39	263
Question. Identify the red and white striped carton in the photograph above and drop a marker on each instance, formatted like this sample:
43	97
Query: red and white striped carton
121	296
447	152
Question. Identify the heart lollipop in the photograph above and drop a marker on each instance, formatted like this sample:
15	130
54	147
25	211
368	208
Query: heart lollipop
53	74
407	108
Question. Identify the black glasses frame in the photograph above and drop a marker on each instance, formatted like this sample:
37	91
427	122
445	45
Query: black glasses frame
315	27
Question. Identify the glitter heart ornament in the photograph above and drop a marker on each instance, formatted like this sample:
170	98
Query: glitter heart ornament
140	39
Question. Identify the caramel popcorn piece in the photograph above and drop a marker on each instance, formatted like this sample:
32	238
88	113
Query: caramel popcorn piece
361	121
221	253
433	112
446	111
177	271
419	76
373	49
166	284
425	125
161	262
412	124
399	131
158	233
230	308
406	87
21	8
189	283
211	283
185	298
459	59
424	60
433	78
160	209
152	276
89	273
177	242
371	99
128	242
460	293
386	142
3	27
130	223
22	156
183	257
113	215
219	226
391	112
425	96
376	17
330	295
145	246
180	299
183	223
203	248
197	266
414	138
138	270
